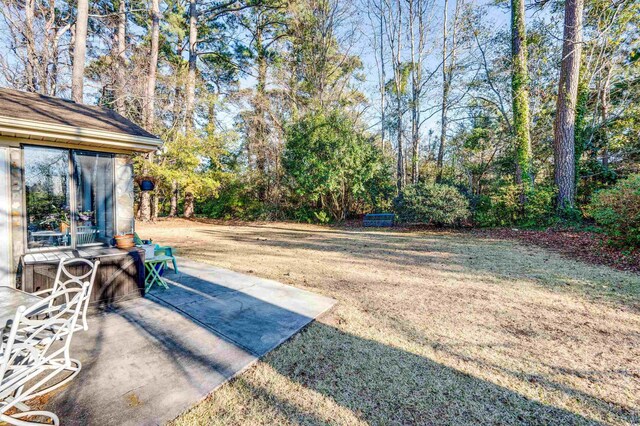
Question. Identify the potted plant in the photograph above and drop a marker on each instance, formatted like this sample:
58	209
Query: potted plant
124	241
63	217
50	221
86	217
58	218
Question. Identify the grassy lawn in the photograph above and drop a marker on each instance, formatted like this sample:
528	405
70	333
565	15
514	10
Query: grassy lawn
430	328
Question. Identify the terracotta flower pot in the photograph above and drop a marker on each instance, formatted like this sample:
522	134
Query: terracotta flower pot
124	241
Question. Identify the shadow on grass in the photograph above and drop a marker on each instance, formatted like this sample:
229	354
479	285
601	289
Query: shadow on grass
378	383
387	385
550	386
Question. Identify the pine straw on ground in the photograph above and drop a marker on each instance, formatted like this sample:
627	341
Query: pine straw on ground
589	247
430	328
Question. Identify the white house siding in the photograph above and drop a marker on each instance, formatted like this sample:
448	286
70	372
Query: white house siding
5	228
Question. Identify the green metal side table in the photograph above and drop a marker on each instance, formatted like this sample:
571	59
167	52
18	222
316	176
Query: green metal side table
153	273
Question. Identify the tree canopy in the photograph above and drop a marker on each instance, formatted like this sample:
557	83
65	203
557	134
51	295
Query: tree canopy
318	109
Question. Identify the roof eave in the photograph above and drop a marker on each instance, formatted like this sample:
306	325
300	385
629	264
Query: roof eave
30	129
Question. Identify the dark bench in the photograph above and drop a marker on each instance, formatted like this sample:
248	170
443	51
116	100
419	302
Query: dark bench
379	219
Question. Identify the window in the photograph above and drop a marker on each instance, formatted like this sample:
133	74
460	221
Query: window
93	174
46	176
69	197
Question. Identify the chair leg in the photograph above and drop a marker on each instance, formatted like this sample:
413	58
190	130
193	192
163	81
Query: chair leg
175	265
74	369
15	418
85	325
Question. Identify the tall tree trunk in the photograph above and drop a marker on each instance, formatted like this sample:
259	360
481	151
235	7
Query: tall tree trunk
416	84
173	201
121	47
414	96
144	210
383	82
260	128
79	51
605	105
520	98
189	209
29	12
149	202
447	78
193	58
53	74
149	110
398	78
445	96
55	57
564	126
120	57
178	95
155	205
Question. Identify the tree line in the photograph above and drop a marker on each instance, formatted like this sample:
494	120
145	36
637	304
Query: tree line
324	109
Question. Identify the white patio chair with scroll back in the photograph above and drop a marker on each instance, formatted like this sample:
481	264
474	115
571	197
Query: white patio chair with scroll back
67	279
31	355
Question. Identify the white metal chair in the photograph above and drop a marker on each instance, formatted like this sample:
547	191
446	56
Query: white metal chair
30	357
66	279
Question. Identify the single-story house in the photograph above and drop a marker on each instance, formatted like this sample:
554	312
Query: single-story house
66	185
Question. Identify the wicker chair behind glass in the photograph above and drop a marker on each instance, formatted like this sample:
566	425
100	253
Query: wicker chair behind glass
87	235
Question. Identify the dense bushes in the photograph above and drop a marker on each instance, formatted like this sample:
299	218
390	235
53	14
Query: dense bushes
432	203
617	211
332	169
503	208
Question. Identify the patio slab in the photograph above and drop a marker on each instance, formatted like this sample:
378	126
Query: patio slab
149	359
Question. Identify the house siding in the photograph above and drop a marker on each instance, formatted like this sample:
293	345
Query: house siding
16	211
6	275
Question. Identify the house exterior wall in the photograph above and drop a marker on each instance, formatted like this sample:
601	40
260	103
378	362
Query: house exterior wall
5	222
17	210
12	218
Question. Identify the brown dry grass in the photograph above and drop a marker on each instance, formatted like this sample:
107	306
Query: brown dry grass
430	328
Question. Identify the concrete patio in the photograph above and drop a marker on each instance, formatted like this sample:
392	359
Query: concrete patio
149	359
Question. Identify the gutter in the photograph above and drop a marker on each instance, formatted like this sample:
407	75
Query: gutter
38	130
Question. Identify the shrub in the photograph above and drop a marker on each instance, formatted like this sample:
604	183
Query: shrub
432	203
331	168
502	208
617	211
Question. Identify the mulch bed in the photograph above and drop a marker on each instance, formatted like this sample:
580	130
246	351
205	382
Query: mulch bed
586	246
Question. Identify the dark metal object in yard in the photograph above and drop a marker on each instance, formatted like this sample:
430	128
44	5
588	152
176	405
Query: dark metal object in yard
379	219
147	185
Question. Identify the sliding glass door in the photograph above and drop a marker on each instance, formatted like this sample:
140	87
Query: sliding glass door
69	197
93	173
